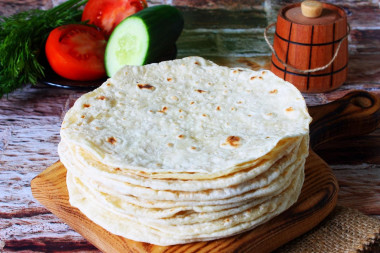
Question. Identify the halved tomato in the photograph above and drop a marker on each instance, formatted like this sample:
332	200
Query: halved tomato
107	14
76	52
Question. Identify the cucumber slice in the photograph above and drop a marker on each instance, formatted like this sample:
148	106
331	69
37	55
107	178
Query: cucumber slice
143	38
128	44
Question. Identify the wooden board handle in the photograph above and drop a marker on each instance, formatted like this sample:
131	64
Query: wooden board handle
357	113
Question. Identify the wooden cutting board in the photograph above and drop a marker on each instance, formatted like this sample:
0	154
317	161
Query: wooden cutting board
356	113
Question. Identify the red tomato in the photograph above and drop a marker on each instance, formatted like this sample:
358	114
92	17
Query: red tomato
76	52
107	14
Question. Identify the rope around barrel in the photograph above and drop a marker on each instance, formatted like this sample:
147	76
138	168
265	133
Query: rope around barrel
307	70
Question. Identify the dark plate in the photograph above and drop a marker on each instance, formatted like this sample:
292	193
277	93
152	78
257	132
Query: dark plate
52	79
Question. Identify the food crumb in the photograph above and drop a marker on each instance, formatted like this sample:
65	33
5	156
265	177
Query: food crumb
146	86
111	140
275	91
163	110
289	109
233	141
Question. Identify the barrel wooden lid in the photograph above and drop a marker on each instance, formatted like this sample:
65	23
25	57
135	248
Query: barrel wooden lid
330	14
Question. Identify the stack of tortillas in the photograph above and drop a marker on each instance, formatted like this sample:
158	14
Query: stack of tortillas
185	150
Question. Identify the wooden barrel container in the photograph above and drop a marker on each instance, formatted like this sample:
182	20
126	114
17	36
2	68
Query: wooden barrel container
305	43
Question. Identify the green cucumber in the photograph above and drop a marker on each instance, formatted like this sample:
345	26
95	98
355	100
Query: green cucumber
143	38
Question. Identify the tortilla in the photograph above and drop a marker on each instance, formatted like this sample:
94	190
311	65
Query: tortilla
286	148
136	229
186	116
185	150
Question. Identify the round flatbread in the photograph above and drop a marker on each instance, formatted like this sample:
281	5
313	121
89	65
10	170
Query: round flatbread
186	116
185	150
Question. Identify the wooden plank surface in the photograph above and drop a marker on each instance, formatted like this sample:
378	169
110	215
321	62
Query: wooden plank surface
317	200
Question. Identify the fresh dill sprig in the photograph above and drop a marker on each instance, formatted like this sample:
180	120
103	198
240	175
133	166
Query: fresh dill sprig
22	42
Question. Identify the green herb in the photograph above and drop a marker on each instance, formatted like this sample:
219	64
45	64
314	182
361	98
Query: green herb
22	42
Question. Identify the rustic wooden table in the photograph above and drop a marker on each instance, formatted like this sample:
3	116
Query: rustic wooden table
30	119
